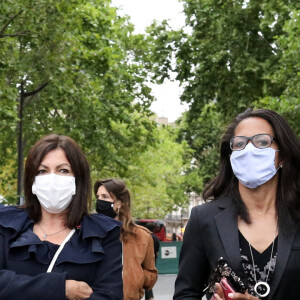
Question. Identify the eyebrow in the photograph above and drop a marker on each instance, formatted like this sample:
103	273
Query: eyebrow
106	194
64	164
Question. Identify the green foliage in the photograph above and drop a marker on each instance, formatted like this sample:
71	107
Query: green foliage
79	70
231	49
238	54
74	65
8	184
287	106
156	177
204	138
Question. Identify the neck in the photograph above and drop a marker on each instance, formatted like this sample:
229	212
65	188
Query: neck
260	201
53	220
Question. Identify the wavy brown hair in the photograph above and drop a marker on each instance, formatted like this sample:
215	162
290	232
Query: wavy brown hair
118	191
80	167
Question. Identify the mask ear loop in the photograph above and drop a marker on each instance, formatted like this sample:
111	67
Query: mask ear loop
112	205
118	209
280	164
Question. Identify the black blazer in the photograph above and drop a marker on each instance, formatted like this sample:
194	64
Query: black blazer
211	233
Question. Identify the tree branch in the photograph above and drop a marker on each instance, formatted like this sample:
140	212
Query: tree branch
22	33
42	86
55	113
8	22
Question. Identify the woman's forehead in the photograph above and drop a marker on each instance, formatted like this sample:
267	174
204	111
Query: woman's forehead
252	126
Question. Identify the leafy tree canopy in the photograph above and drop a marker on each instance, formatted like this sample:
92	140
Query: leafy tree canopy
235	54
156	178
73	67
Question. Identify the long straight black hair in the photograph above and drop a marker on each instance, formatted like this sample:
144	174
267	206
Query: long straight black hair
288	190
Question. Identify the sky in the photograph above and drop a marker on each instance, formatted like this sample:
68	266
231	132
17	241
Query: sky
142	13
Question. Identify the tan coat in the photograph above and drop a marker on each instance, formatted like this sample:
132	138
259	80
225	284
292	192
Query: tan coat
139	270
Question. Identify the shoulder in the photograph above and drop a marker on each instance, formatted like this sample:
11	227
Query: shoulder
97	225
141	229
13	217
141	234
207	211
213	205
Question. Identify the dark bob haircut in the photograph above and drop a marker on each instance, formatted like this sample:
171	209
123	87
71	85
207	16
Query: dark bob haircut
80	167
288	190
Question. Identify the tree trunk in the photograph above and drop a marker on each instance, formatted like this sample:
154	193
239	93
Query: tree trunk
20	149
23	96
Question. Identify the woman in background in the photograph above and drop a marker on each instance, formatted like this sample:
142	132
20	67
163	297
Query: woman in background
55	218
139	272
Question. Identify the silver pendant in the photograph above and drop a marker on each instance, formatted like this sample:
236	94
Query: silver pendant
45	236
266	286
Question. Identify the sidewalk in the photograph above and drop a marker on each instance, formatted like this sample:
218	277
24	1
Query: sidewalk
164	287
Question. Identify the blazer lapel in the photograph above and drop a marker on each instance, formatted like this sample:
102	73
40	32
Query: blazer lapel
283	251
226	222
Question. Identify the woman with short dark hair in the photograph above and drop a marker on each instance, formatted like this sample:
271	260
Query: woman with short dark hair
139	272
51	248
249	232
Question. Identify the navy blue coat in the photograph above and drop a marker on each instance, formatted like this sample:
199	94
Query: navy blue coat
93	255
211	233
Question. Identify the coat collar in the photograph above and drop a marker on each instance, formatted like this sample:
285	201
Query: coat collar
285	242
226	221
84	247
17	220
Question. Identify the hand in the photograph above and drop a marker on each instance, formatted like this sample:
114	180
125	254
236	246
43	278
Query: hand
219	295
77	290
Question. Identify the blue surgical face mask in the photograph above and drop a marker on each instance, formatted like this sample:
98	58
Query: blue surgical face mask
253	166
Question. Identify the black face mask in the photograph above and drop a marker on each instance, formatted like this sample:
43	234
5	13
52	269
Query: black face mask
105	208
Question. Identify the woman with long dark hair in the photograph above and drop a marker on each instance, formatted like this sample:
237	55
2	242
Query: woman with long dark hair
249	231
139	272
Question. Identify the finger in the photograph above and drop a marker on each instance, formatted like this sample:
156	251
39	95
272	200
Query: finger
240	296
217	297
219	290
89	291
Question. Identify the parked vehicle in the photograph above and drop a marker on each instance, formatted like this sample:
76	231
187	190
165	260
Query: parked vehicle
159	231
